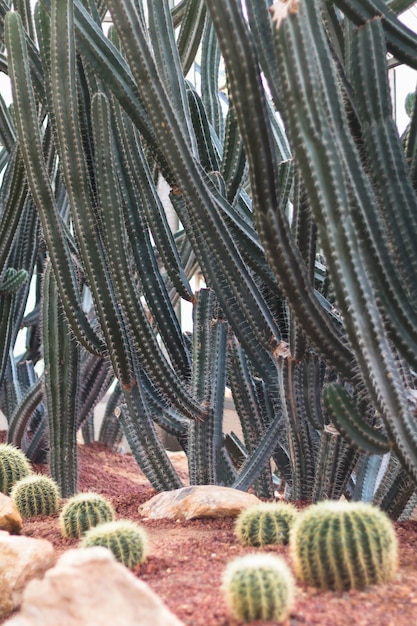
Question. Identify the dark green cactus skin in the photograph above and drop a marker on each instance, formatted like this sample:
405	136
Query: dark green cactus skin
13	280
126	540
258	587
266	523
97	120
61	388
82	512
343	545
13	467
36	495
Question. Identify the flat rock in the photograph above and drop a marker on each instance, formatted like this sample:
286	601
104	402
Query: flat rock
197	501
21	560
10	519
88	587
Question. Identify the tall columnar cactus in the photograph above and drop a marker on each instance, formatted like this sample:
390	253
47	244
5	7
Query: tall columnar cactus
126	539
61	382
310	278
36	495
344	545
259	587
83	511
14	466
266	523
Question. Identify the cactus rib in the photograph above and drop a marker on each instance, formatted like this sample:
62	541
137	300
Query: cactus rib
343	545
32	153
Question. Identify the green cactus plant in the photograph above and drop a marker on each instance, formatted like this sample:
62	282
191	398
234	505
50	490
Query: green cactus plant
36	495
126	539
266	523
13	466
258	587
310	278
344	545
83	511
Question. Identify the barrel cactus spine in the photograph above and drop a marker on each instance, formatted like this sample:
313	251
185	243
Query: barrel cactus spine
259	587
265	523
83	511
13	466
124	538
36	494
343	545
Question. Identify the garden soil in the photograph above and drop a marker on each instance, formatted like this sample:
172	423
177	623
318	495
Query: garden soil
187	558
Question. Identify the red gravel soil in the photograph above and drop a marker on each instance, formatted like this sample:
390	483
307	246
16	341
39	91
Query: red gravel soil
186	559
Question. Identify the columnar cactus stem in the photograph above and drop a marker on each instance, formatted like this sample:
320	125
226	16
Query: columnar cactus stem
330	196
208	380
283	255
27	127
62	385
299	212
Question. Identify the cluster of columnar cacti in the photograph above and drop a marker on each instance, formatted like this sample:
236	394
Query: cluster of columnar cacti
301	269
259	587
266	523
36	495
126	540
14	466
83	511
344	545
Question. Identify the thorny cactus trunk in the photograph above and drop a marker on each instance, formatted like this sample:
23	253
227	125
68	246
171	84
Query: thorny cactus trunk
296	201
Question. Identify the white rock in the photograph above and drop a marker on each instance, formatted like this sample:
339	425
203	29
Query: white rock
88	587
21	560
198	501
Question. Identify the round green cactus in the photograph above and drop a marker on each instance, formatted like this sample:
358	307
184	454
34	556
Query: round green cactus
343	545
124	538
83	511
265	523
35	495
258	587
13	466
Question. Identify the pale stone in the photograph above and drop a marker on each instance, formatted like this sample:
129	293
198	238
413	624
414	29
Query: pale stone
198	501
10	519
88	587
21	560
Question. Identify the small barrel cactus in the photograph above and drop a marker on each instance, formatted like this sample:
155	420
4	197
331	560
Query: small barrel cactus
36	495
83	511
13	466
265	523
127	541
343	545
258	587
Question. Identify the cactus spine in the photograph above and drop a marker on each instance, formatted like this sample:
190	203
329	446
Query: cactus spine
36	495
82	512
124	538
13	466
266	523
258	586
342	545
